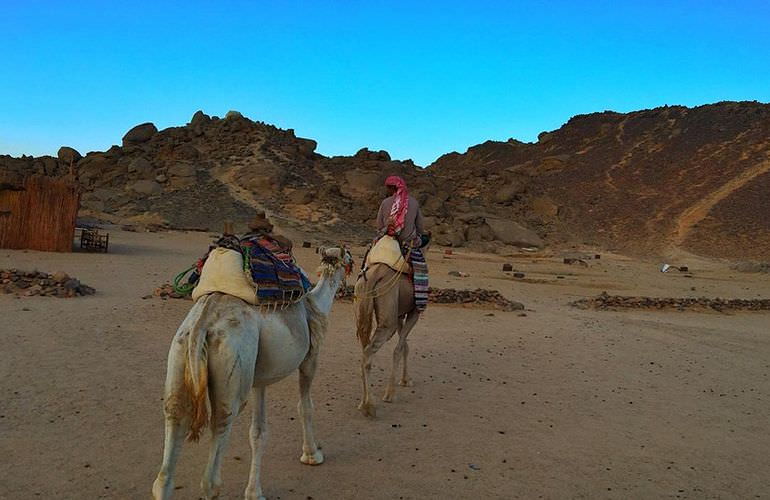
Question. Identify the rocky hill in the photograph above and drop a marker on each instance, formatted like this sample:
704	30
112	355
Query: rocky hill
642	182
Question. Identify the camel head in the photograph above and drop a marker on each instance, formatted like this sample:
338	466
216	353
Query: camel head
336	258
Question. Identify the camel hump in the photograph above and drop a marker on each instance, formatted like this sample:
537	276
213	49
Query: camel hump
387	251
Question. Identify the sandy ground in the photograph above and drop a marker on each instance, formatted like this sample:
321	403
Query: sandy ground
560	403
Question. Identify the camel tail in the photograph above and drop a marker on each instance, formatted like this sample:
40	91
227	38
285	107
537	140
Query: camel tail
196	377
364	312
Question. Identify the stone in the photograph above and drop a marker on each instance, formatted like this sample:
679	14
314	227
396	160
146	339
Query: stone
513	233
509	192
68	155
145	187
233	114
186	151
199	118
545	207
71	284
366	154
181	170
140	166
306	147
139	134
94	167
507	268
161	178
752	267
479	233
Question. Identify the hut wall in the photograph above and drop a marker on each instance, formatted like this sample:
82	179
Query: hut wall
39	215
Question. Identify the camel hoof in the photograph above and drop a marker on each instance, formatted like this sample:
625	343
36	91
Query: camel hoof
316	458
388	398
253	495
406	383
368	410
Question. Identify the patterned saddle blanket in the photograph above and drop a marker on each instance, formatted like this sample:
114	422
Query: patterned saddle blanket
256	270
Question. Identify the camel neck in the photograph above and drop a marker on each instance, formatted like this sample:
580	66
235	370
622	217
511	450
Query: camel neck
324	291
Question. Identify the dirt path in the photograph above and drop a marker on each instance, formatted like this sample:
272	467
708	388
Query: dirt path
697	212
560	403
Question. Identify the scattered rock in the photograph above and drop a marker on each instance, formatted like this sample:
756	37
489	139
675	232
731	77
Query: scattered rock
478	297
605	301
572	262
507	268
752	267
30	284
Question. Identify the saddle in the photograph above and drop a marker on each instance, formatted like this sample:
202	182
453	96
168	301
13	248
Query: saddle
223	271
387	251
255	269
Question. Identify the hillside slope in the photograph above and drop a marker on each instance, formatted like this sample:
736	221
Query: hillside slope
642	182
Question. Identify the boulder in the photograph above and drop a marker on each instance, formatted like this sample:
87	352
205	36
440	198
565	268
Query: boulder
481	232
545	207
140	166
452	238
139	134
95	167
199	118
300	197
233	114
306	146
145	187
68	155
362	184
509	192
186	151
512	233
366	154
181	170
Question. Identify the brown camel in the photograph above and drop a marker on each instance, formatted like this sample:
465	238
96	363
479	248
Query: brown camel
388	296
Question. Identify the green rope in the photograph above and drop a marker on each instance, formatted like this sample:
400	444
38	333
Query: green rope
186	288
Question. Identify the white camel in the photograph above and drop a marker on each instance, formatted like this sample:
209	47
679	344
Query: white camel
226	349
388	296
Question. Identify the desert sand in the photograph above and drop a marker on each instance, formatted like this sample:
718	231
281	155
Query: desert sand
558	403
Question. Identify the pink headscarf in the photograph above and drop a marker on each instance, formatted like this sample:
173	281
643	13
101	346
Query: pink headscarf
400	203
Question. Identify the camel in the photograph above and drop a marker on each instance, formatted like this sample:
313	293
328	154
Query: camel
388	296
227	351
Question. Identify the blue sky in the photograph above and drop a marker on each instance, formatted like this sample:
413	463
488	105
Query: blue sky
416	78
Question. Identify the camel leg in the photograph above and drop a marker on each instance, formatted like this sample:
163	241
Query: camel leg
258	439
409	323
212	482
177	423
311	454
390	389
163	486
386	309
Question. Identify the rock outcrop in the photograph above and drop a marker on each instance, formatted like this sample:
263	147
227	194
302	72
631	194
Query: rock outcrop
640	182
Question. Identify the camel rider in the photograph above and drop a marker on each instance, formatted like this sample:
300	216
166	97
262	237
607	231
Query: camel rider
400	217
260	229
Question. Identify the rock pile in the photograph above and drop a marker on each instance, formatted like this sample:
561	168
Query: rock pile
605	301
32	283
478	297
